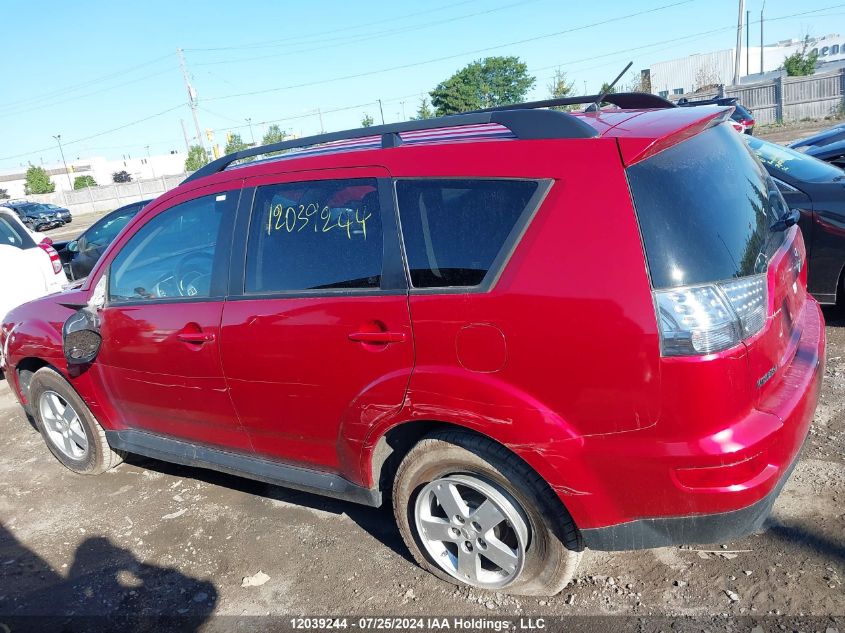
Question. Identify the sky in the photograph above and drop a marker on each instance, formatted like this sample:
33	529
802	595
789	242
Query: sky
106	77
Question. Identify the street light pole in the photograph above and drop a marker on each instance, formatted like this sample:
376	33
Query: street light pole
58	138
150	161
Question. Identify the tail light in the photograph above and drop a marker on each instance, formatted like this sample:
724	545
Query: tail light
747	122
703	319
54	257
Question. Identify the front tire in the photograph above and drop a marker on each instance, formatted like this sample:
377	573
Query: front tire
473	513
68	427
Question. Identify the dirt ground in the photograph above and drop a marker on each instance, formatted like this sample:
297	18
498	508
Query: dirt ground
786	133
154	538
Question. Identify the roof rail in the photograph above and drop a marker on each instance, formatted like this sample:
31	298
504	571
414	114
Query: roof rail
525	125
631	100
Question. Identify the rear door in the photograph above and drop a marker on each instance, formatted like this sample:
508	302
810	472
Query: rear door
316	333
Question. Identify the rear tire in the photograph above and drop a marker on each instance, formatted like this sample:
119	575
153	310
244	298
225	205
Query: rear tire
533	547
68	427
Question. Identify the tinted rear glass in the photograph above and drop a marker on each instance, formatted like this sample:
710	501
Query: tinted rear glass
705	207
740	113
454	229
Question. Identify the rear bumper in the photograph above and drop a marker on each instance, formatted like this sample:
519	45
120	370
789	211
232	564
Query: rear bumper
703	528
643	490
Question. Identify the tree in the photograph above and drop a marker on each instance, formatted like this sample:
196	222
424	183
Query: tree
234	143
38	181
197	158
484	83
606	89
800	62
81	182
706	79
121	176
424	111
639	83
367	121
4	194
274	135
560	88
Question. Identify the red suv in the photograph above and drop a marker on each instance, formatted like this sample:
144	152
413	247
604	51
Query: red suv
530	331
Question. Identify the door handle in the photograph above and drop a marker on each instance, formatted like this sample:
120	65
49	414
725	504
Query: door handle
377	337
195	337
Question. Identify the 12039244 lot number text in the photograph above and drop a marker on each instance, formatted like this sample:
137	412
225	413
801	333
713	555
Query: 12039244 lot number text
422	623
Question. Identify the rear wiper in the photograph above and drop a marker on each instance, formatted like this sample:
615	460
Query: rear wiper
786	220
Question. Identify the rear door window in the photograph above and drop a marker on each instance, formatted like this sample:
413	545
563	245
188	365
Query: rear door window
315	235
705	208
454	230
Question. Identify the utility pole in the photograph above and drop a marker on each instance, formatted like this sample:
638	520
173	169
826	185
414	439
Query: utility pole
150	161
249	121
761	36
58	138
738	42
192	96
402	103
320	116
380	109
748	42
185	134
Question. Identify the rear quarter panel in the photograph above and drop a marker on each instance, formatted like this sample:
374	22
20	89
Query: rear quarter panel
570	320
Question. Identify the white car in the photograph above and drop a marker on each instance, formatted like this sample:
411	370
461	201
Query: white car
29	266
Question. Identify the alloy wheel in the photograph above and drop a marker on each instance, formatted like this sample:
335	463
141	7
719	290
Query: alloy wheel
62	425
473	529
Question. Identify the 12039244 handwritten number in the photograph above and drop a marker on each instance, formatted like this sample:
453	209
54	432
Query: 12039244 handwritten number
295	219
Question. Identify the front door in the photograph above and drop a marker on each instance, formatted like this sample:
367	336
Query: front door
160	358
316	335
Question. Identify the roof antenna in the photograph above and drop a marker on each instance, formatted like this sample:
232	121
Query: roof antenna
597	104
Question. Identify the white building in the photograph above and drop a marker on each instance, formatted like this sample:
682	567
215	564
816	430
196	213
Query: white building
686	74
101	169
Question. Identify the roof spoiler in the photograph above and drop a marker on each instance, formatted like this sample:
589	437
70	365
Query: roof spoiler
625	100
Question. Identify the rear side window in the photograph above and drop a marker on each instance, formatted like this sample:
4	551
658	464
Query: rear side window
454	230
315	235
705	208
12	234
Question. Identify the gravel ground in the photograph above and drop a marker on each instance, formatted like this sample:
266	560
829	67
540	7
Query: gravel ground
155	538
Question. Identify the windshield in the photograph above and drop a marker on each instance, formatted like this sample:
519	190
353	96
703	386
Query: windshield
103	232
785	162
705	209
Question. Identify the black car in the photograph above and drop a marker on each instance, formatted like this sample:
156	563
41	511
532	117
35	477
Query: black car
817	190
64	214
34	215
740	114
79	256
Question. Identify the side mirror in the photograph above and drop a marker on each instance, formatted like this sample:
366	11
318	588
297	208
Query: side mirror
81	337
72	246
